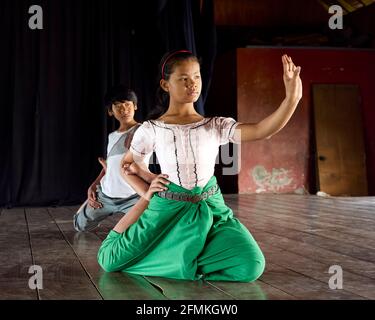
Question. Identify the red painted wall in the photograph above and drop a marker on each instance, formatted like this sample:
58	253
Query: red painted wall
281	164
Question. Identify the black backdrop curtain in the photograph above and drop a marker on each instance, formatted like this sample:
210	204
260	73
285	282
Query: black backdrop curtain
53	124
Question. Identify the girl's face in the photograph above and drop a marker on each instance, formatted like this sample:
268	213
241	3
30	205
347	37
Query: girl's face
184	84
123	110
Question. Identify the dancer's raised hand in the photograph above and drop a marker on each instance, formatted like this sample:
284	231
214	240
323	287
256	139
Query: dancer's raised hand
292	80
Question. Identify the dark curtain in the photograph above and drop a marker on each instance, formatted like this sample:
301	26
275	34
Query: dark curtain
53	124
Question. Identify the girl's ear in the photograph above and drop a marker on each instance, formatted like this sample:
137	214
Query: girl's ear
135	107
110	113
164	85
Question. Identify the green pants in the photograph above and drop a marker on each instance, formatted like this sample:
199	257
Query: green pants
184	240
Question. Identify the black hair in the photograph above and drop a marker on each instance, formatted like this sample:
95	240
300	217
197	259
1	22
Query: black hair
119	93
166	67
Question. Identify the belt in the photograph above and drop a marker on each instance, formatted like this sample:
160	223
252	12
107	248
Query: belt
194	198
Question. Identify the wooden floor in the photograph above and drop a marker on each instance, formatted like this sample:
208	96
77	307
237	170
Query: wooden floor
301	237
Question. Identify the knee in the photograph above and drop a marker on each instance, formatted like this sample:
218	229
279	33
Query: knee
77	226
82	223
107	264
81	227
252	268
107	258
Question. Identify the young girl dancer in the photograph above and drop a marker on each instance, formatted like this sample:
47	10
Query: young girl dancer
109	193
181	227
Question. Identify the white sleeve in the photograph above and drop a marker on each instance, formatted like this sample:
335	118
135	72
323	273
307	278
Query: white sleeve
143	143
225	128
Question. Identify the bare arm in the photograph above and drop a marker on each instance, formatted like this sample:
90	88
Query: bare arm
272	124
103	163
132	216
141	170
157	184
99	177
136	182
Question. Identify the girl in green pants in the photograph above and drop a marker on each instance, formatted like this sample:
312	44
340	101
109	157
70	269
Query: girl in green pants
181	228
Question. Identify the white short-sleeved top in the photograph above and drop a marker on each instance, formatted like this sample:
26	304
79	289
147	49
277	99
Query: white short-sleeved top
186	152
113	185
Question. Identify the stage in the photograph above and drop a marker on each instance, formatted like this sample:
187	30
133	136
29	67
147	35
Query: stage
301	237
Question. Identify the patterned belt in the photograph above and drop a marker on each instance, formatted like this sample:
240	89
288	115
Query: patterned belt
181	196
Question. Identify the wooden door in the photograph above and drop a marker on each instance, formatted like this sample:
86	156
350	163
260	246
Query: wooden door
339	134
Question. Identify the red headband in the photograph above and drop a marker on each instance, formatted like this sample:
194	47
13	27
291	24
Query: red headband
170	56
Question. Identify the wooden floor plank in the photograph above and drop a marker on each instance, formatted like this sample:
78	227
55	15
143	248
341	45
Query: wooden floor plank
352	283
264	223
297	232
311	203
310	217
63	275
349	225
350	250
300	286
16	257
188	290
314	202
257	290
326	209
301	237
362	206
353	265
112	286
313	226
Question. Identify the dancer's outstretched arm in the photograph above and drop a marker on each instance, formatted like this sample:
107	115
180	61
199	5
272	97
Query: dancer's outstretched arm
277	120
